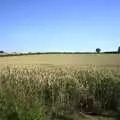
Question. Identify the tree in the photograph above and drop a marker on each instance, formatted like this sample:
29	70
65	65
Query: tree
98	50
119	49
1	51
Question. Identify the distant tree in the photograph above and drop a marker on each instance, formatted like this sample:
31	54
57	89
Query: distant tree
98	50
1	51
119	49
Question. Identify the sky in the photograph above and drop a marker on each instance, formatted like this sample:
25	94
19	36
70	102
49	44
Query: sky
59	25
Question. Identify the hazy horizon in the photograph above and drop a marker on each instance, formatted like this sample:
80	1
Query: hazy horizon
64	25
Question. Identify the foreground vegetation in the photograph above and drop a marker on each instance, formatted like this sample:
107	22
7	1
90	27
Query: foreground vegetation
58	93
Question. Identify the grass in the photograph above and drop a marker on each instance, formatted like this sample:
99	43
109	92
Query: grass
60	87
55	93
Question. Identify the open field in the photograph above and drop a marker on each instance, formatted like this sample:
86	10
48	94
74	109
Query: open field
54	87
64	59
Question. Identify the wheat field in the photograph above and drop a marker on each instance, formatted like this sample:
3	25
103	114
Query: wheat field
64	59
54	87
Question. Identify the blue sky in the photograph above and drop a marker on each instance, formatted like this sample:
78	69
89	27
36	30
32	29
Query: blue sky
59	25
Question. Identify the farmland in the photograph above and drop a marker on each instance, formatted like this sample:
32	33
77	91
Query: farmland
64	59
60	87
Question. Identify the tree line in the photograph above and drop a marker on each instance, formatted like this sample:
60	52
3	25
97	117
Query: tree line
98	51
